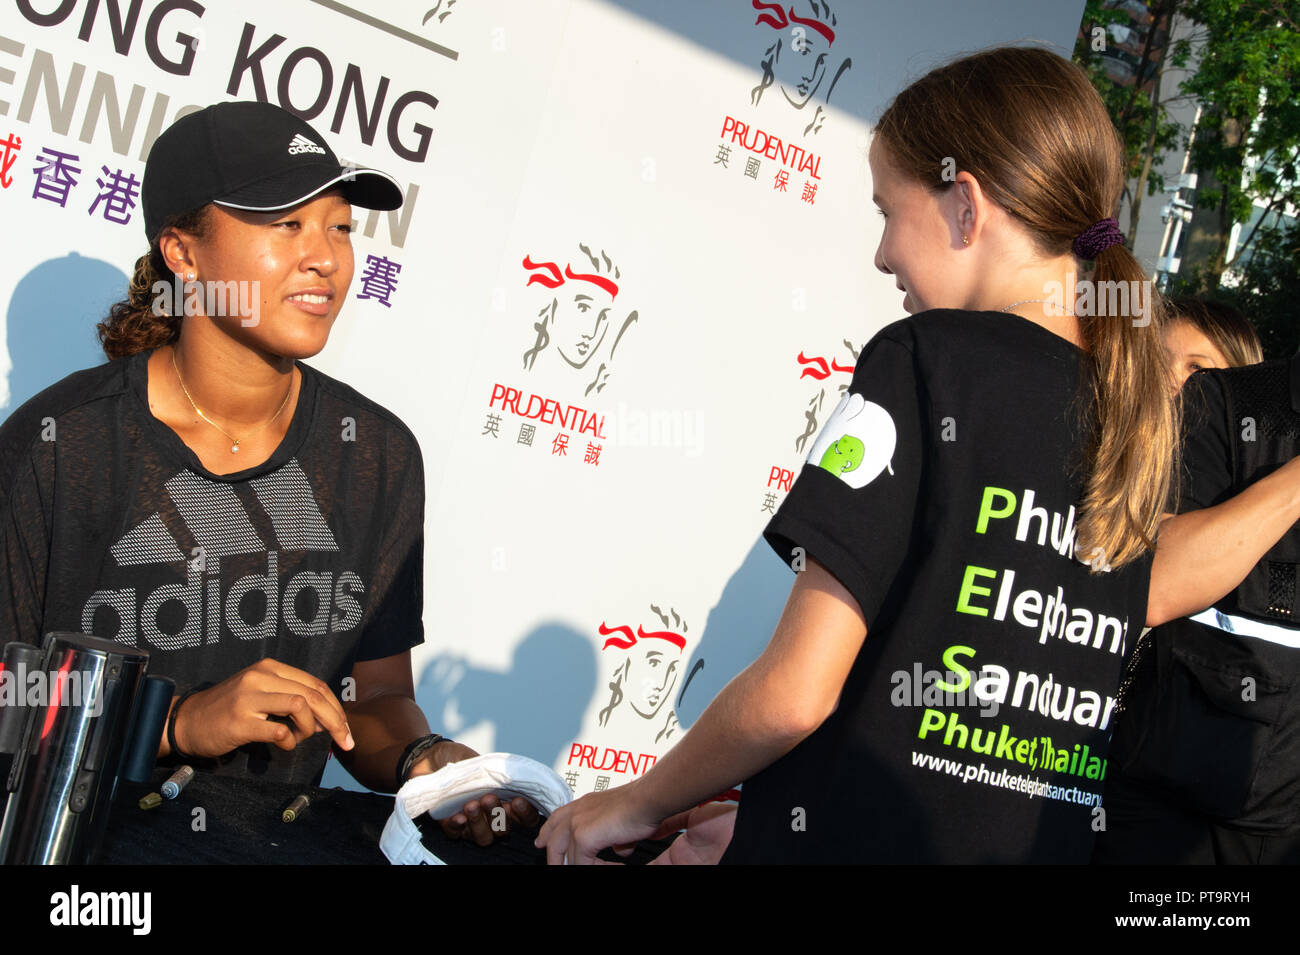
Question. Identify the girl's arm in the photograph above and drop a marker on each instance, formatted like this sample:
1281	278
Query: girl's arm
780	699
1202	555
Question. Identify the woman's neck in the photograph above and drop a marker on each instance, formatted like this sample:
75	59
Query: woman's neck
230	405
234	385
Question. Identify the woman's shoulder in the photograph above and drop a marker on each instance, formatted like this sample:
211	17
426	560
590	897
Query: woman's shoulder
35	423
354	404
104	382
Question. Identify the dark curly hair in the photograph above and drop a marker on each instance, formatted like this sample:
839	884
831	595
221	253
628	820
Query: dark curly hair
135	324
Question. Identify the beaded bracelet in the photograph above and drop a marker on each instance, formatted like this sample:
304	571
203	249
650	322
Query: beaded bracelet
414	750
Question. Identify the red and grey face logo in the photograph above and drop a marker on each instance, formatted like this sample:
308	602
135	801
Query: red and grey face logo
583	325
799	58
647	666
820	368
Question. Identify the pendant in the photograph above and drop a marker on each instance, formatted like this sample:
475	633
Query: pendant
234	448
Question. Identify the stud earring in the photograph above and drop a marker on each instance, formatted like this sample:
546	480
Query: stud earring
965	239
189	276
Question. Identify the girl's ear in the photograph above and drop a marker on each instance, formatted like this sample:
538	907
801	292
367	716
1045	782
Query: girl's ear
971	205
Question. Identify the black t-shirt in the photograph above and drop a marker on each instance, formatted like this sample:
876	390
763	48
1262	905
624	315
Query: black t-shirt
1211	728
1207	447
1240	425
973	725
110	525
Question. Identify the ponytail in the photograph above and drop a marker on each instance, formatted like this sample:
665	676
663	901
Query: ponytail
1133	442
140	322
1029	126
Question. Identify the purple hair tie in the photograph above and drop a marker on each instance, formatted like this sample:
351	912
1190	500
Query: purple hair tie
1098	236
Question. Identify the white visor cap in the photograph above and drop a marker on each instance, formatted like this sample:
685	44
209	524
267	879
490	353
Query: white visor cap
445	793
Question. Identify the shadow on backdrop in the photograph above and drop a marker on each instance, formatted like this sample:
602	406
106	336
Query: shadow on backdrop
51	322
737	628
535	708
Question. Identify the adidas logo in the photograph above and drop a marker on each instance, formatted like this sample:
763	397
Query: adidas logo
220	525
301	144
176	616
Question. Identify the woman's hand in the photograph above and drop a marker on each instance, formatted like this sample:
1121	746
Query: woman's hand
478	820
238	709
576	832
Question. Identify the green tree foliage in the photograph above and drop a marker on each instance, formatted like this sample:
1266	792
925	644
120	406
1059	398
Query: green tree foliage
1269	294
1138	110
1248	85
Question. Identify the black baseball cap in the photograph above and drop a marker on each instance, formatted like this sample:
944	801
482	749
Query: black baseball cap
253	156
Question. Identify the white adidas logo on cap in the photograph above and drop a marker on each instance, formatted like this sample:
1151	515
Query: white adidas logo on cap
301	144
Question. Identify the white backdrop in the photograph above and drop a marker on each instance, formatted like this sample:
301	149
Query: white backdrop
620	232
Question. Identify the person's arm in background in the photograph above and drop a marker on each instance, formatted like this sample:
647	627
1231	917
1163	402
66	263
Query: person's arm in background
1204	554
767	710
1209	549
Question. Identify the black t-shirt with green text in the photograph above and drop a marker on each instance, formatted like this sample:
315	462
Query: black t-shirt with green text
110	525
974	723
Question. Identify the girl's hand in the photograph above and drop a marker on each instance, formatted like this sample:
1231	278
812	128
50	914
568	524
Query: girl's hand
708	833
576	832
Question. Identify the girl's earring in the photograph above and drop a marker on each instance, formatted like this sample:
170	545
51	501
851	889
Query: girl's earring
965	239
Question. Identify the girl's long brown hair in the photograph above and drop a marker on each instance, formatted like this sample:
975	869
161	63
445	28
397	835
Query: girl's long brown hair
136	324
1029	126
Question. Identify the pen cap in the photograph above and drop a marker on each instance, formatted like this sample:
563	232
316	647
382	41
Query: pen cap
147	725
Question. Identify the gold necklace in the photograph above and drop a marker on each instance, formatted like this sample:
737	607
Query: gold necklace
234	448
